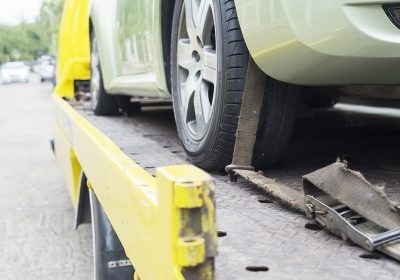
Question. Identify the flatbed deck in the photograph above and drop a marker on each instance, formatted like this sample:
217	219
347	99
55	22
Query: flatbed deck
261	234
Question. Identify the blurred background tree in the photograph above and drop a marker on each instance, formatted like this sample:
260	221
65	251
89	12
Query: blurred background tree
27	41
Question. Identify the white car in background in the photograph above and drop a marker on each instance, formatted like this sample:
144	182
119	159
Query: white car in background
14	72
47	71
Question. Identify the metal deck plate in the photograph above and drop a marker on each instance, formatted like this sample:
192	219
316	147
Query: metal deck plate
259	234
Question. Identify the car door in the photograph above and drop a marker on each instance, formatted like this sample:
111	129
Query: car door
135	38
141	67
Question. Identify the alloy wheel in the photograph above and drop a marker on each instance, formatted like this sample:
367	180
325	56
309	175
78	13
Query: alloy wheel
197	65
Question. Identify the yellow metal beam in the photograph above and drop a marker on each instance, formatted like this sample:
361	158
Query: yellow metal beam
166	224
74	47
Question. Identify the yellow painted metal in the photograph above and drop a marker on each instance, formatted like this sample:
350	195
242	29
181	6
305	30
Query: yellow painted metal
191	247
69	164
191	252
74	47
189	195
166	224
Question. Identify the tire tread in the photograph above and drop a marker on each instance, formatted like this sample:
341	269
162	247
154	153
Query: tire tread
236	66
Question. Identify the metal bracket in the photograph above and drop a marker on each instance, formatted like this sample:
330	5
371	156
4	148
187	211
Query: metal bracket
342	221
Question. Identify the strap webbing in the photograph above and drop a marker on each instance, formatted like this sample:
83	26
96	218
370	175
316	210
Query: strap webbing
353	190
249	115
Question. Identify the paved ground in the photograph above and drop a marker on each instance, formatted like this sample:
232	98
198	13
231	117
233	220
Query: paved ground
37	239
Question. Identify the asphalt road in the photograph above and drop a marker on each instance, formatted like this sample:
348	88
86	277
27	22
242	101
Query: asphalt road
37	238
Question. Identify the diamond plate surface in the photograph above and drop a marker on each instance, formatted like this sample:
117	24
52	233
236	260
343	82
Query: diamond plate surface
259	234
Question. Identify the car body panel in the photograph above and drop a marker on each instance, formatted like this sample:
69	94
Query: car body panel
313	42
306	42
129	39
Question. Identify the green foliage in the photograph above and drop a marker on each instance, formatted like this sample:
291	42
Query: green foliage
27	41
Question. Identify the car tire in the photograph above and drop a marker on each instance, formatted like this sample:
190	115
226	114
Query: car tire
211	148
215	149
107	248
103	103
277	120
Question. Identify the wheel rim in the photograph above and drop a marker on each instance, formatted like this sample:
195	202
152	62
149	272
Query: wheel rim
197	66
95	75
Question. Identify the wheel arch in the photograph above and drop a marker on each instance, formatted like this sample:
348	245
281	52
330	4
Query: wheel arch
103	24
167	12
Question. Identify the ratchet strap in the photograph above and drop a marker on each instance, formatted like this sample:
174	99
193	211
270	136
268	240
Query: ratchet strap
246	134
339	199
345	203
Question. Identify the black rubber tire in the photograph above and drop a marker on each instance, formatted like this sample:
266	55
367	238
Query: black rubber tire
106	246
107	104
215	150
277	120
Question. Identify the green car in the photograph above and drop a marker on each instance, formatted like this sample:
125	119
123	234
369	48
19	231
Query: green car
196	52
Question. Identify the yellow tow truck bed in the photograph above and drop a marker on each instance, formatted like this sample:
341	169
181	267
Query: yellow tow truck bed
257	238
167	214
